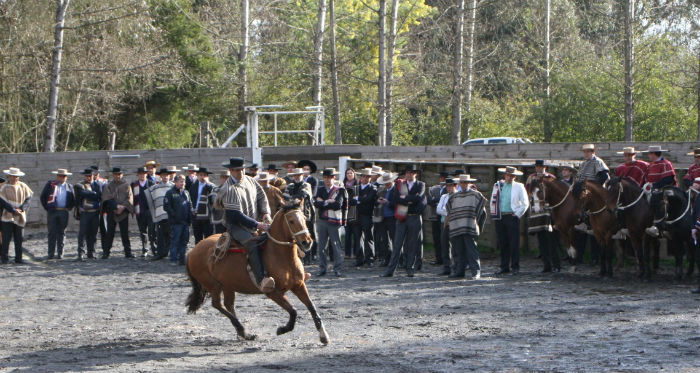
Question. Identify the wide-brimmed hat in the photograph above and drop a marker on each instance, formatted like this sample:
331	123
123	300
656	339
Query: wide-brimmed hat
466	178
540	162
253	166
365	171
235	163
13	171
190	167
695	152
510	170
568	166
296	171
224	173
654	149
272	166
168	170
141	170
450	181
95	169
306	162
628	150
293	163
411	168
205	170
458	172
444	174
264	176
329	172
87	171
116	170
61	172
377	170
387	177
591	147
368	165
696	180
151	164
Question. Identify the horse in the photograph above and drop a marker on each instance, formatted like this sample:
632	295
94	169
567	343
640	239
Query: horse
602	218
229	275
557	195
671	210
628	199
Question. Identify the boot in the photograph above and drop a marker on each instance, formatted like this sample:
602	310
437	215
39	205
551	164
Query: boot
265	284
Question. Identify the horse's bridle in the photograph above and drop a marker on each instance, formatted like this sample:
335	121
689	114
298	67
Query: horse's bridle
681	216
619	194
294	235
544	195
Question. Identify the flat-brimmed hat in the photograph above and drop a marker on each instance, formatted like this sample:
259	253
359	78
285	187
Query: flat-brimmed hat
87	171
568	166
224	173
387	177
116	170
368	165
654	149
466	178
190	167
628	150
95	169
411	168
264	176
13	171
329	172
510	170
235	163
205	170
296	171
293	163
273	167
153	164
444	174
253	166
377	170
450	181
540	162
309	163
457	172
141	170
366	172
168	170
61	172
695	152
589	147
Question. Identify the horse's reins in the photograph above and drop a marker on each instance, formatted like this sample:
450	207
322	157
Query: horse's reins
619	194
287	243
544	195
687	208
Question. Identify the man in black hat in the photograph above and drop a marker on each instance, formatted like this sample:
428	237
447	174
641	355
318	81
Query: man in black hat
275	180
57	198
87	194
365	201
245	202
252	170
309	169
409	198
144	219
434	194
117	203
332	204
199	192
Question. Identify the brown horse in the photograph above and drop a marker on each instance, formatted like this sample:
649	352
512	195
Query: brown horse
229	275
557	195
629	200
602	218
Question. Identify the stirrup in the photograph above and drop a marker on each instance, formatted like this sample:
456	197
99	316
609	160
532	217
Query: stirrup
652	231
267	285
581	227
619	235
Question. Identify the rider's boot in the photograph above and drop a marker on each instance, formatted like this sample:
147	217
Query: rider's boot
265	284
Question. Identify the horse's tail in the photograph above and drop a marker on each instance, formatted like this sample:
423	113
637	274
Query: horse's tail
196	297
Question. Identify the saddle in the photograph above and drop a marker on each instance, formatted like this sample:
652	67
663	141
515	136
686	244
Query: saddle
226	244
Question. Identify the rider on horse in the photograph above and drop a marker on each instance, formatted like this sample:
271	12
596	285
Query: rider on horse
634	170
660	174
244	201
592	169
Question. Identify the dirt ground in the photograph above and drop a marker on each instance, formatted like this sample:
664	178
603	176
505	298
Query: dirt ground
121	315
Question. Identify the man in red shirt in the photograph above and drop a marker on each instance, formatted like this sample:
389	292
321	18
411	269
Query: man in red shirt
631	168
660	172
694	170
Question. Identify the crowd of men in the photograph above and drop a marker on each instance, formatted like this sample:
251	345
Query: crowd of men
379	213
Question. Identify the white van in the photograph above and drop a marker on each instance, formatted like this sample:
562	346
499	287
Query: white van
498	140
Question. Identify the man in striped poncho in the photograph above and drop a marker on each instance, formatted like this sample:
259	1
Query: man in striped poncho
466	215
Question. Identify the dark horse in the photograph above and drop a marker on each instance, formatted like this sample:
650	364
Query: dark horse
227	272
602	218
564	208
672	214
629	200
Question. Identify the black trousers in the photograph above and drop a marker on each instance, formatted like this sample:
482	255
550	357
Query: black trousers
163	232
123	232
437	240
548	249
201	229
446	251
147	231
366	252
384	232
89	222
353	232
508	234
11	231
57	221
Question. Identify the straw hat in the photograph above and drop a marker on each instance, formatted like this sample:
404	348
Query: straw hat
151	164
264	176
13	171
366	172
695	152
61	172
654	149
628	150
591	147
224	173
377	170
509	170
466	178
568	166
696	180
387	177
296	171
190	167
293	163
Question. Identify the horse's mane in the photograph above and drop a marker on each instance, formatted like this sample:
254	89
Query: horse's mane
618	180
292	204
577	189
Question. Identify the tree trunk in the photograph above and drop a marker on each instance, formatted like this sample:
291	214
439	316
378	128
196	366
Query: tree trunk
334	78
61	7
318	57
547	44
470	69
457	89
243	66
698	94
629	70
390	72
381	99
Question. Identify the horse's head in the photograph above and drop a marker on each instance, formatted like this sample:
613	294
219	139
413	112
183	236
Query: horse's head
295	223
659	205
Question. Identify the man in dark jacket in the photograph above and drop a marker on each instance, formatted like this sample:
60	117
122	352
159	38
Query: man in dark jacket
87	201
199	191
147	231
331	203
57	198
365	200
409	197
178	205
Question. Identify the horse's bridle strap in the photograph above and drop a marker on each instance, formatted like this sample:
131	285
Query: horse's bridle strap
287	243
568	191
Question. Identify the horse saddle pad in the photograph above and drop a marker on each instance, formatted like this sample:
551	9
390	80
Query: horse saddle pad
228	244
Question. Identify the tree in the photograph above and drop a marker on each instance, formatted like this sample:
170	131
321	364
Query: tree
61	8
629	69
334	78
390	70
381	82
457	89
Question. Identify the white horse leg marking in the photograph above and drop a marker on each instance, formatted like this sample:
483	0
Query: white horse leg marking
324	336
571	251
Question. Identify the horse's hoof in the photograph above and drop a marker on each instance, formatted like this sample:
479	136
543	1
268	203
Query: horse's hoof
325	340
281	330
247	337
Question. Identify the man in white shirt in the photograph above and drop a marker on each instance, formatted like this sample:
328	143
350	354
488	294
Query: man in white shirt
509	202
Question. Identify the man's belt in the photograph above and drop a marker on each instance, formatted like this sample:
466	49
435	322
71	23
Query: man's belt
506	214
61	209
409	214
90	210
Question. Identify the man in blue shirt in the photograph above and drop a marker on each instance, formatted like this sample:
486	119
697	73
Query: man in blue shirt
178	205
57	198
